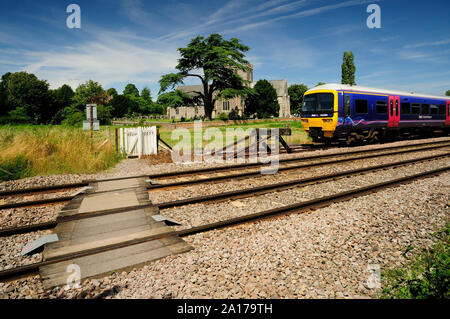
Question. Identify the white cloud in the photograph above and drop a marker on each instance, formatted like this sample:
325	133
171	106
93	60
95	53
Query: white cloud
107	60
427	44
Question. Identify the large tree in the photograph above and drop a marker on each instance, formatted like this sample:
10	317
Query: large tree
348	69
175	99
122	105
296	92
214	61
146	94
90	92
262	101
29	96
131	89
4	107
447	93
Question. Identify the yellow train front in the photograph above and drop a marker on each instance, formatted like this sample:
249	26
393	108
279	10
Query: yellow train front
349	114
319	114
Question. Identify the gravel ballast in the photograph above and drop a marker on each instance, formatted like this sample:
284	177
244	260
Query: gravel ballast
319	254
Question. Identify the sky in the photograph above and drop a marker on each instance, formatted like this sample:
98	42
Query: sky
136	41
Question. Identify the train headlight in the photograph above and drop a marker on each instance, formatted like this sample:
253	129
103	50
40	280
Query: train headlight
327	120
304	121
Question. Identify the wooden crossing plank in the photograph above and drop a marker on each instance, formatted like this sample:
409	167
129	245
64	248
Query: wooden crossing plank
82	227
103	264
77	248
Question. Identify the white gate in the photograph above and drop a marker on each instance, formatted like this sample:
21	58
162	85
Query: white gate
138	141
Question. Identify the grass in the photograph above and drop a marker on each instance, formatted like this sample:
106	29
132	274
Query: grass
28	150
427	275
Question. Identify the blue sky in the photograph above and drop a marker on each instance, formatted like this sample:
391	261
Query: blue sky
123	41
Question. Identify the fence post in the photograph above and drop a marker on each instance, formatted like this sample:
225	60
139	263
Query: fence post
116	135
139	141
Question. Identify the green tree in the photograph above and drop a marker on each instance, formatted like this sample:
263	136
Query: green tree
262	101
131	89
122	105
72	116
320	83
146	94
32	95
348	69
62	97
217	60
4	107
90	92
112	92
175	99
447	93
296	92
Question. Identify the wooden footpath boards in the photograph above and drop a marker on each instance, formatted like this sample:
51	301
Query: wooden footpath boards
109	214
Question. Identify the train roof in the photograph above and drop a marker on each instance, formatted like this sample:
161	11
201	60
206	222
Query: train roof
334	86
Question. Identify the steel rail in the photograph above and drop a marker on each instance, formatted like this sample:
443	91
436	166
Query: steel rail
41	189
37	202
301	206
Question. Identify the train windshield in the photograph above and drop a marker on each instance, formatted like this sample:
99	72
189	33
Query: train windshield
318	103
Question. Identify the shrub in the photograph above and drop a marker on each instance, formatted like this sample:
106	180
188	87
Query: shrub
15	168
426	276
234	115
223	117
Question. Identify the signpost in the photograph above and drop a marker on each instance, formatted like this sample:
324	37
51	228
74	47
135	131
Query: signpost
91	115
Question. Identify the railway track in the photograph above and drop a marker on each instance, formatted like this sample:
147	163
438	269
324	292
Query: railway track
297	207
157	185
242	193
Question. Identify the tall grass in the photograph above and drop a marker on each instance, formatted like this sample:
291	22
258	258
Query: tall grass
43	150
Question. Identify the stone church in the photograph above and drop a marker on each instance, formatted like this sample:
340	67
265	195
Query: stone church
226	106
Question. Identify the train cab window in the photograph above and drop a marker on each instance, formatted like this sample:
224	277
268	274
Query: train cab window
396	107
425	108
391	108
381	107
442	109
433	109
361	107
347	105
406	108
415	108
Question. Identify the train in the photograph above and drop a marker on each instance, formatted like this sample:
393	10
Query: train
350	114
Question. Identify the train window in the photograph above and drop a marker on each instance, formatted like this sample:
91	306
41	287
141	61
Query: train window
391	108
442	109
425	108
406	108
347	105
381	107
433	109
396	107
361	106
415	109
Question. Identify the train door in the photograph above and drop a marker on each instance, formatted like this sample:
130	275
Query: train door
394	111
447	114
